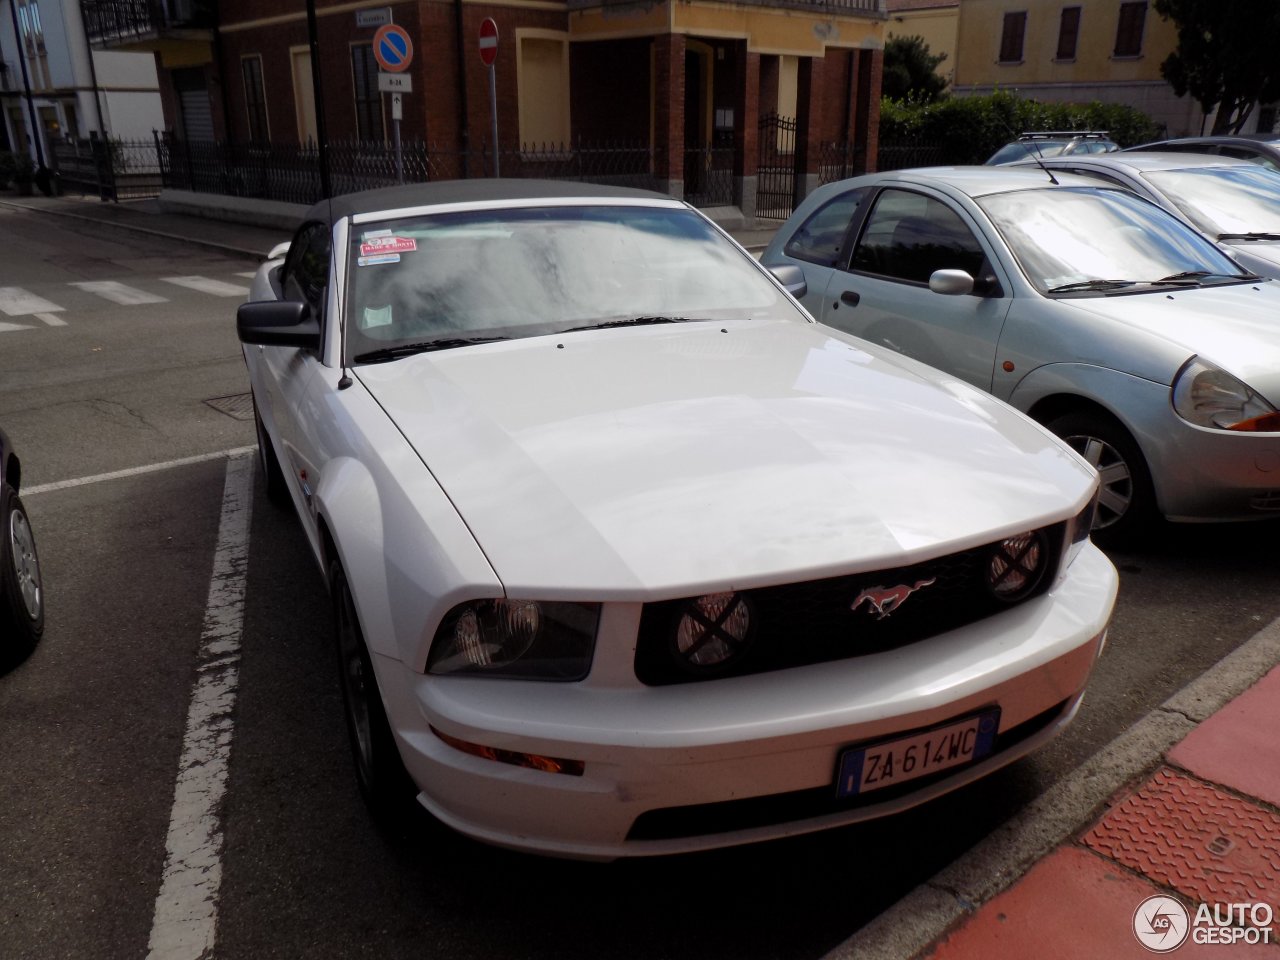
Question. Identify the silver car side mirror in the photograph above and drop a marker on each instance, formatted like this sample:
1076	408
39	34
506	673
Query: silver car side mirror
791	277
951	283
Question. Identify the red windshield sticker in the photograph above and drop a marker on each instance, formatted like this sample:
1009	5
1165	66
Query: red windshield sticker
373	246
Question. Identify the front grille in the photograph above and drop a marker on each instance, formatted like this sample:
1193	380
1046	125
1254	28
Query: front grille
814	622
1266	501
671	823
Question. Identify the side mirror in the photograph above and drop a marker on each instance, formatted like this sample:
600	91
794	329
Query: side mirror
278	323
279	250
951	283
791	277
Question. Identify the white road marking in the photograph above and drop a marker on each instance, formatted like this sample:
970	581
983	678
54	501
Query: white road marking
251	274
7	327
219	288
134	471
17	302
119	293
185	923
51	319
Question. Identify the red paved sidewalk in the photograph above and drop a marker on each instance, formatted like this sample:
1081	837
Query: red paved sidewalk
1204	828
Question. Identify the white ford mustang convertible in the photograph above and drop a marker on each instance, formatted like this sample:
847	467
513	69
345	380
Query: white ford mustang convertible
628	555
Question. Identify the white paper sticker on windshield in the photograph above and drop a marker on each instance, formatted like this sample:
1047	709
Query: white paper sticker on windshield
376	317
380	258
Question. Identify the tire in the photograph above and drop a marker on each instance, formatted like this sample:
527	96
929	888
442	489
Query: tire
21	588
384	783
277	488
1127	500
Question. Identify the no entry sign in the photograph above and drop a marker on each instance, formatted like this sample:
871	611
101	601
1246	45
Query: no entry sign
488	42
392	48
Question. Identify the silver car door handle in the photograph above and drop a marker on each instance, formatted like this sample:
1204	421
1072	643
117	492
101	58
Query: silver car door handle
850	297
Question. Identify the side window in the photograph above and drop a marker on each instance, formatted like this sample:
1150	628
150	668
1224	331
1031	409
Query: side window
820	238
306	272
908	236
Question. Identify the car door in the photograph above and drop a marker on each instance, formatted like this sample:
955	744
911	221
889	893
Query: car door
882	293
820	243
286	370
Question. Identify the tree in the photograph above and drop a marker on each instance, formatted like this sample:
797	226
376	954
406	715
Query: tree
1226	56
910	71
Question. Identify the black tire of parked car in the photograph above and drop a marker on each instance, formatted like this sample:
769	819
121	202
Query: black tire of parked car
20	630
1127	502
384	783
277	488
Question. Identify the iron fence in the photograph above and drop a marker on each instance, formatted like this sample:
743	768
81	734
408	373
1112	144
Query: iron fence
708	176
776	167
111	169
838	161
911	152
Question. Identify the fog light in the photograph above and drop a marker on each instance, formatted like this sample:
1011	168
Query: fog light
1016	566
572	768
713	629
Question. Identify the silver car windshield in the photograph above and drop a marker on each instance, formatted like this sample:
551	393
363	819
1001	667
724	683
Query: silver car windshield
1230	200
1071	237
455	278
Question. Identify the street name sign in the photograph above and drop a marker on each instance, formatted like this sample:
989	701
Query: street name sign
373	18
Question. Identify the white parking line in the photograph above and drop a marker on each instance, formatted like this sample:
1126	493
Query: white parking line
135	471
9	327
51	319
184	926
17	302
119	293
218	288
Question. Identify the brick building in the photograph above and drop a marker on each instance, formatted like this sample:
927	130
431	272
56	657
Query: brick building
712	91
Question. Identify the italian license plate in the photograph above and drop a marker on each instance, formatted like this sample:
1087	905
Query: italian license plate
891	762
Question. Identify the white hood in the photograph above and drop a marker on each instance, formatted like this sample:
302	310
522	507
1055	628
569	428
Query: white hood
1236	327
666	460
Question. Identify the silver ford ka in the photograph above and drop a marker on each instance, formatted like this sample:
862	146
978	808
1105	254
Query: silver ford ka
1102	316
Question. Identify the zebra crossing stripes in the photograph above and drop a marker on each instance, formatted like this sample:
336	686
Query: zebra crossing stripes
17	302
218	288
119	293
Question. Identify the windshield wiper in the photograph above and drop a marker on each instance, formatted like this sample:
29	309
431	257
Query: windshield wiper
1092	285
426	346
630	322
1186	277
1249	236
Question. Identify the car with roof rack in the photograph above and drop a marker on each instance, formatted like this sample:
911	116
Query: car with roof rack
1053	143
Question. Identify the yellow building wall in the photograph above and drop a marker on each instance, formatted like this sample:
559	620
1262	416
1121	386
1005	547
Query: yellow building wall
938	28
981	23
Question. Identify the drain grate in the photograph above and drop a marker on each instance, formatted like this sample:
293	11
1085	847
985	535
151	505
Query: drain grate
238	406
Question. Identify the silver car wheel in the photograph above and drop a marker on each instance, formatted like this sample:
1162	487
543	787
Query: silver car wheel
1116	495
26	566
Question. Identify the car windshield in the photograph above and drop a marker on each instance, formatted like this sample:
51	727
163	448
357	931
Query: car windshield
1074	236
1231	200
455	278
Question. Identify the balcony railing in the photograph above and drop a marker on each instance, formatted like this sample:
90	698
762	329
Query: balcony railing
873	8
122	21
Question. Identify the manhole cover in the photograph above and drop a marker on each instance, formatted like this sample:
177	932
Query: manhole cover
1185	834
239	406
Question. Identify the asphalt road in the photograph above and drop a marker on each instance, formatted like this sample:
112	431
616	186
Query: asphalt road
91	727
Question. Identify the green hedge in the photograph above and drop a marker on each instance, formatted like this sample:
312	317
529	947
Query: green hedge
970	129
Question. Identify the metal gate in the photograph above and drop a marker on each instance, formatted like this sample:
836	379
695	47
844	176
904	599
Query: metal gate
776	169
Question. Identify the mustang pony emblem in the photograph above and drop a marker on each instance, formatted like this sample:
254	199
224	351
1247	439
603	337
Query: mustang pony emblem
885	600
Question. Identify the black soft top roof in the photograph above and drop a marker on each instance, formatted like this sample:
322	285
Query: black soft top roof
466	191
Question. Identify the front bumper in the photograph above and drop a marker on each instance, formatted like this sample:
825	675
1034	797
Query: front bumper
665	751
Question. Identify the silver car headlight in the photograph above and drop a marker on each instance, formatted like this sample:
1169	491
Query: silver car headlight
532	639
1208	396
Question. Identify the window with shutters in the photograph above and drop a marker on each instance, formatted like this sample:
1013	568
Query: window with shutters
1133	17
1068	33
1015	28
255	99
364	81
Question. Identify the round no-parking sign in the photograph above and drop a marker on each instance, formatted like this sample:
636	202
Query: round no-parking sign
392	48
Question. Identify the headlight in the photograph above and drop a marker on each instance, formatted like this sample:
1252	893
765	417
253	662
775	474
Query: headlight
1077	534
1210	397
537	640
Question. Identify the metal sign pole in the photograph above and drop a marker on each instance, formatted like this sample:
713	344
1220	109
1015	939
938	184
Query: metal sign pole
397	109
493	112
